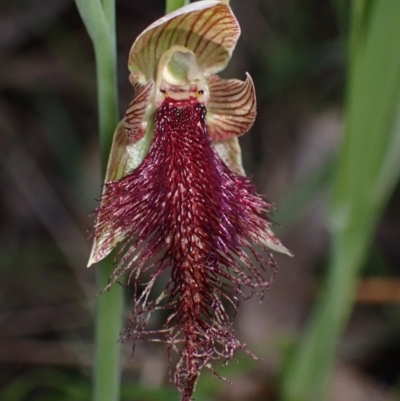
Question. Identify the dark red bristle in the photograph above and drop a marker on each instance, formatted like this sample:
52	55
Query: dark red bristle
185	212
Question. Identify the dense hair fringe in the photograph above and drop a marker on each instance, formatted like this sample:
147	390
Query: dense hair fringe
184	213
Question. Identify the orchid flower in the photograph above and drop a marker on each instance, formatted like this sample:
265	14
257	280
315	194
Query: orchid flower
176	199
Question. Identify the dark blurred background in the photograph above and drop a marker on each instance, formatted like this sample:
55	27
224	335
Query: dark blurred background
50	180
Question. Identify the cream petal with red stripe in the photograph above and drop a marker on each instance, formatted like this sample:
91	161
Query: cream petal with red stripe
207	28
231	110
140	109
230	153
125	156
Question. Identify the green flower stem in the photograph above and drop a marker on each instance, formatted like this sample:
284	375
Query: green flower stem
99	19
173	5
107	368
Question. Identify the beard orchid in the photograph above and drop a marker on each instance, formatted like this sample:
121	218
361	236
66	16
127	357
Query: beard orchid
176	200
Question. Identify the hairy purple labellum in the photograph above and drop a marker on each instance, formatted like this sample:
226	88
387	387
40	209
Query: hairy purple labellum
186	211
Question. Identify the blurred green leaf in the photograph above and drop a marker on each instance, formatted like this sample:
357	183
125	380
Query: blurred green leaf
369	166
301	198
45	384
134	392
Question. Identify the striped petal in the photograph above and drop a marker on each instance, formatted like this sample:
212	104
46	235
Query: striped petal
208	28
230	153
125	156
139	110
231	108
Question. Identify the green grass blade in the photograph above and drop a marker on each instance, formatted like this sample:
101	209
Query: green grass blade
93	17
369	167
109	14
102	33
107	367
